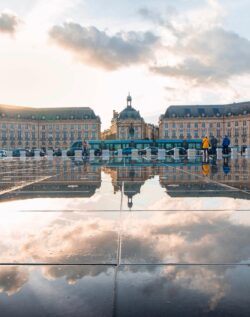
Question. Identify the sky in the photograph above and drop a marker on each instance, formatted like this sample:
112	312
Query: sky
84	53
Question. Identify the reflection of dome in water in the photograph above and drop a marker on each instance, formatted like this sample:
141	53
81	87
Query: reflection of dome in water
130	190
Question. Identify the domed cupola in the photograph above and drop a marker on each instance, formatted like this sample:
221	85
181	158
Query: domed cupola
129	112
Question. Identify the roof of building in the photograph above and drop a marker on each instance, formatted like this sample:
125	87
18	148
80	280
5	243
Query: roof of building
129	112
242	108
73	113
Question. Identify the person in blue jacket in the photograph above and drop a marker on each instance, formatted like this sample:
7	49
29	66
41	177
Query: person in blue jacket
225	145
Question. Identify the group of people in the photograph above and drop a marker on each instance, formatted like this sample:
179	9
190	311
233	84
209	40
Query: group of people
213	143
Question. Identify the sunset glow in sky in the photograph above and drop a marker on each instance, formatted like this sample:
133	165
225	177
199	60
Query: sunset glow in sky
58	53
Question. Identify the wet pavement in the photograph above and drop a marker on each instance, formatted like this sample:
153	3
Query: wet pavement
124	237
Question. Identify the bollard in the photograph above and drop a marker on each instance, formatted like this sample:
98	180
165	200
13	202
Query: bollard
50	154
64	153
91	154
191	154
37	153
176	154
105	154
9	153
234	153
148	154
134	154
78	154
22	153
161	154
119	153
248	152
219	153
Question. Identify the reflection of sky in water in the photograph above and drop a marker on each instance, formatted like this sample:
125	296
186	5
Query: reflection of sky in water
205	222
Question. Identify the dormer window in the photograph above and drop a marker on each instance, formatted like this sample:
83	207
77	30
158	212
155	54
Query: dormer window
244	112
43	117
18	116
229	114
57	117
72	117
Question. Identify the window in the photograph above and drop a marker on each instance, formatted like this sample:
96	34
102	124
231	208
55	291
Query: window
236	123
189	125
244	123
166	125
203	124
210	125
196	124
173	125
218	124
229	124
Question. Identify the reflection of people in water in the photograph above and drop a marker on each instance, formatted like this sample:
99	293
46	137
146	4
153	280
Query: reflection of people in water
226	167
205	169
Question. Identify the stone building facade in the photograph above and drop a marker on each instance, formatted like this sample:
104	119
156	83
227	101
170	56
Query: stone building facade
129	125
194	122
46	127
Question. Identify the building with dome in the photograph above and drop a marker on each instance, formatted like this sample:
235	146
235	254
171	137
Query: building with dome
129	125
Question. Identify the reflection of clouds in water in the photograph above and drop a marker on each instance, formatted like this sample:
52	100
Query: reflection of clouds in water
91	239
198	203
192	237
12	279
75	273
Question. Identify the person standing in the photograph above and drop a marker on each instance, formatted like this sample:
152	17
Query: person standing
225	145
205	147
214	143
85	148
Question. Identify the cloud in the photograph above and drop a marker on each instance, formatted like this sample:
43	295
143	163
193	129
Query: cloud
98	48
216	60
12	279
8	22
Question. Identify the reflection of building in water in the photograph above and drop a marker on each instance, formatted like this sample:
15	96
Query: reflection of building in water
65	179
132	177
189	180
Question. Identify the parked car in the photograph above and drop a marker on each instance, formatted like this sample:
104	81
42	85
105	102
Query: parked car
32	152
125	151
182	151
3	153
154	150
17	152
57	152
